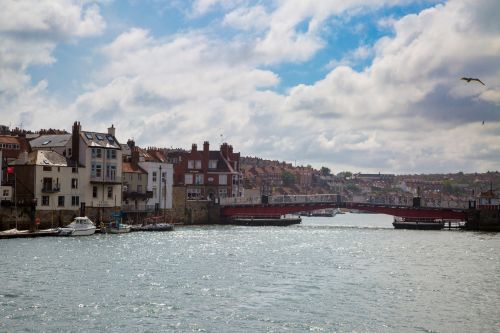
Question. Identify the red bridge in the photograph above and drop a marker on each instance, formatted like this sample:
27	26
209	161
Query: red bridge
276	206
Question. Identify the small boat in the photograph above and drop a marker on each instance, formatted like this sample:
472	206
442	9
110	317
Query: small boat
418	223
117	227
81	226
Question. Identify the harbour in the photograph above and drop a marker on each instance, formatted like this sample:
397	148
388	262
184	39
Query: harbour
353	272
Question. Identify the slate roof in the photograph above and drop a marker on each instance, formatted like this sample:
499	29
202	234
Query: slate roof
45	158
103	140
54	140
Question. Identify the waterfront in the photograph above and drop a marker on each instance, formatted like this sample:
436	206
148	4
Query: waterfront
352	272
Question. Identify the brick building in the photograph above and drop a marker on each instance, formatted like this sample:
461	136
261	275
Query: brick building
209	174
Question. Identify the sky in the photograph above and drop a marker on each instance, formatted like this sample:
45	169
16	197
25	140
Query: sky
358	85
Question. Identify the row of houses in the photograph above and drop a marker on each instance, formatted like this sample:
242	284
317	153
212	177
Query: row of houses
92	173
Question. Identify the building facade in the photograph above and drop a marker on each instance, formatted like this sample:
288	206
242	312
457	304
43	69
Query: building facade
100	156
210	174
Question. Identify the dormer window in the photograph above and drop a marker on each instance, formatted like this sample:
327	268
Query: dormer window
212	164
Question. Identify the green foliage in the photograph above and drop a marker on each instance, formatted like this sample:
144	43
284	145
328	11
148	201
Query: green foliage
288	178
325	171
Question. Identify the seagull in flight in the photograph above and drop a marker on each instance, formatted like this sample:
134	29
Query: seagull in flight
468	79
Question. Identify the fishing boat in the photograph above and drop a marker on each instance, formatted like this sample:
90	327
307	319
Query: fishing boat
418	223
117	227
81	226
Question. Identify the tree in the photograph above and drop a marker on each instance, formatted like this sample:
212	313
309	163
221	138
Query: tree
288	178
325	171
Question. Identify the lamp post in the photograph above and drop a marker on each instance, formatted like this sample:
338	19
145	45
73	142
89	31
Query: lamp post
159	191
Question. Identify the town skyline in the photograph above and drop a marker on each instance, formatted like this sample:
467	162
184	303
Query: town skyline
362	86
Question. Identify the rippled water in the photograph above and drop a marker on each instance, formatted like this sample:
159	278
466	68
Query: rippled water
350	273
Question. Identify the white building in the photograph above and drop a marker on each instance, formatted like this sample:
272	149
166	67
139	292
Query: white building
160	177
100	155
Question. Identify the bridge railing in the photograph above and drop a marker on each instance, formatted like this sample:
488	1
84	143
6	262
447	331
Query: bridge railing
281	199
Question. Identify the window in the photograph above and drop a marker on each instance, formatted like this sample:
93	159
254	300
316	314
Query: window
47	168
99	137
96	153
190	164
223	192
193	193
222	179
163	176
111	172
212	164
45	200
60	201
188	179
6	193
110	192
197	164
89	135
111	154
75	201
74	183
96	171
154	176
69	152
235	180
198	179
94	191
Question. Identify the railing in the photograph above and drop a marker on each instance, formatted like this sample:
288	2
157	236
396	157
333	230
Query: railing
277	199
336	198
138	208
51	189
108	179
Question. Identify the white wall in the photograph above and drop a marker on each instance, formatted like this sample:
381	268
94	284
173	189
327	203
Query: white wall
151	167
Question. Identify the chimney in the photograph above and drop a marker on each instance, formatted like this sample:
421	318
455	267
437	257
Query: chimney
206	155
111	130
75	142
224	150
135	156
230	152
131	144
194	147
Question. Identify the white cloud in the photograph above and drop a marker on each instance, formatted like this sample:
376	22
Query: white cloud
406	112
29	33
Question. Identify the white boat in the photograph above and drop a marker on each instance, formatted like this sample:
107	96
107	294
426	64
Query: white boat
81	226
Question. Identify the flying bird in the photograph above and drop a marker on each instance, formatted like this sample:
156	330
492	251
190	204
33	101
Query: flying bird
468	79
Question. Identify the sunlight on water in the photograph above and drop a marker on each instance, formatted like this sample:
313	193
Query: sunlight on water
352	272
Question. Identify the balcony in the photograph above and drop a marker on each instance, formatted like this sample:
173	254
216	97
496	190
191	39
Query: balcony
47	188
138	195
106	180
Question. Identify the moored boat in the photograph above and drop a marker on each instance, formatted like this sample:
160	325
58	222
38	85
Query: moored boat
81	226
153	227
117	227
418	223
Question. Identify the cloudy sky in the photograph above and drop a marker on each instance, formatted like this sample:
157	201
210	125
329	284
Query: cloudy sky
359	85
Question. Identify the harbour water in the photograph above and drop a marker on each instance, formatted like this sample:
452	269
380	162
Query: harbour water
349	273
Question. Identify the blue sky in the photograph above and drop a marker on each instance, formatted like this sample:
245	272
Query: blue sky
353	85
